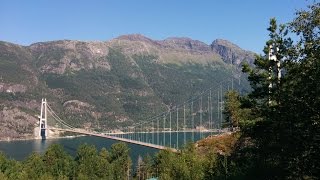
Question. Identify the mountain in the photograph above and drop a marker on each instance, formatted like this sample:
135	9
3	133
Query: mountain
104	85
231	53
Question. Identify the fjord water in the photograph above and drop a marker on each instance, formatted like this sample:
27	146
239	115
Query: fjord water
19	150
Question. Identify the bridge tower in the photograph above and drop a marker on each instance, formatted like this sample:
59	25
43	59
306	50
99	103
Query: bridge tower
43	131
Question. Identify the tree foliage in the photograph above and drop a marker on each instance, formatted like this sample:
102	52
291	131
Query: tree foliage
236	114
115	163
55	163
184	165
285	114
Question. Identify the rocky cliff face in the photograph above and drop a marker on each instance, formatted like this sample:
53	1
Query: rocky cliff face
105	85
231	53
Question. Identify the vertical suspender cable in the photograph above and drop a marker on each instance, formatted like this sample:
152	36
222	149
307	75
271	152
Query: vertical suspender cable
192	121
218	111
152	141
184	123
158	132
200	131
177	128
221	97
211	120
164	129
208	112
170	127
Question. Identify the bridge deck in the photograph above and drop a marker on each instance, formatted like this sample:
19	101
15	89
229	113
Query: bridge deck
116	138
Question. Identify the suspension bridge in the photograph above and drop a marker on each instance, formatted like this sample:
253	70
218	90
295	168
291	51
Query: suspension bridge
201	115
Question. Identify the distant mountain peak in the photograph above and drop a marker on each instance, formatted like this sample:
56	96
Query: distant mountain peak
134	37
226	43
178	39
187	43
183	40
232	53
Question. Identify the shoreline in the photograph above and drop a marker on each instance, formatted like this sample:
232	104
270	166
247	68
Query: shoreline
34	138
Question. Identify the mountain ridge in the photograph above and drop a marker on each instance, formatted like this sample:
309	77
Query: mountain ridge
108	84
223	49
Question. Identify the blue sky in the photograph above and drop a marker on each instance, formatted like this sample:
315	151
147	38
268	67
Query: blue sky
242	22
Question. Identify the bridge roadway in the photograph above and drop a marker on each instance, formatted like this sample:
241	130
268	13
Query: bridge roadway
155	146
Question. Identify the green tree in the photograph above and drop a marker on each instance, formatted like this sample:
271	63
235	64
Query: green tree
120	160
3	162
46	176
285	112
57	162
164	163
3	176
211	170
104	168
183	165
10	169
301	97
148	166
237	115
34	166
87	161
232	109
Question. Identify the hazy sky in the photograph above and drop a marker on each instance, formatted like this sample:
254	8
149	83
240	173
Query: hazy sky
242	22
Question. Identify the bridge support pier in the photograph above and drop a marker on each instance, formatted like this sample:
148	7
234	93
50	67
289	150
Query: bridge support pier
43	131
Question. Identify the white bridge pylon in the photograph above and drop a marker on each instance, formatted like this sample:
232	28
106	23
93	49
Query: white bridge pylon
43	119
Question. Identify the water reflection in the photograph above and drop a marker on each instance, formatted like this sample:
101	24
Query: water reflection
39	145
